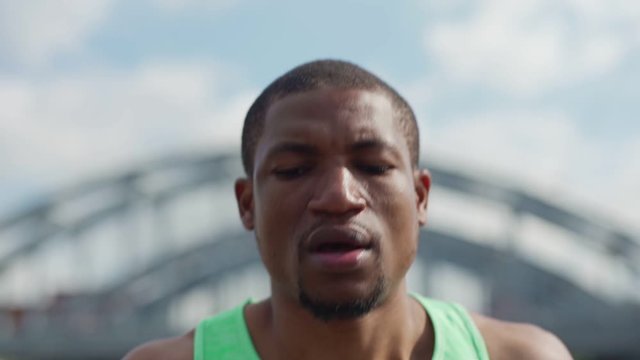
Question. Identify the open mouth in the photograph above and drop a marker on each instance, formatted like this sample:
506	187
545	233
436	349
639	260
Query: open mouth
339	249
338	239
333	247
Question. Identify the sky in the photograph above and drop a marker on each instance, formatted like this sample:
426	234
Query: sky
536	93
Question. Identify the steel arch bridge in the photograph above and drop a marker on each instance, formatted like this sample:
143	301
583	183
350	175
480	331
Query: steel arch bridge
96	269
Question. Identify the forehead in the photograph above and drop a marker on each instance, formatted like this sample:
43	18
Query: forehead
335	112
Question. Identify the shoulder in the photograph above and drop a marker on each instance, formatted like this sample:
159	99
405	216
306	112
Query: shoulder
176	348
509	340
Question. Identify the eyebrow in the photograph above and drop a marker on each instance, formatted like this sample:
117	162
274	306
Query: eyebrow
292	147
310	150
375	144
371	144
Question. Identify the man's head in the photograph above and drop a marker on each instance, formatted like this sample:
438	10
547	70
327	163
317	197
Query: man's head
332	191
324	74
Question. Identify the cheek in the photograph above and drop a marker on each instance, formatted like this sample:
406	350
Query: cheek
398	214
276	215
397	204
278	210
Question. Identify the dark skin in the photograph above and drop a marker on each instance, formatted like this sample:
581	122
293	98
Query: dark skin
337	159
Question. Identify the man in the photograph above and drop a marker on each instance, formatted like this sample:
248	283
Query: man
335	197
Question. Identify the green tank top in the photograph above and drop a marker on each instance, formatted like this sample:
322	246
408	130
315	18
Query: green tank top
226	336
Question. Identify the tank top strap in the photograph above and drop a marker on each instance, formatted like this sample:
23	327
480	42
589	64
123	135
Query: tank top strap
224	337
456	335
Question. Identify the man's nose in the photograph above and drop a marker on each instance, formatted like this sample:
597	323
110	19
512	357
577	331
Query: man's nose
338	193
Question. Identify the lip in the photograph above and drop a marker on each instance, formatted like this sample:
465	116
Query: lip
344	236
339	248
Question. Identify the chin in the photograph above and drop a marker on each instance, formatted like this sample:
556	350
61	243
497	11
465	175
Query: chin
343	304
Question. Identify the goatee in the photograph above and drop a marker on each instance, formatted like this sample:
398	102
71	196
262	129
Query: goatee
327	310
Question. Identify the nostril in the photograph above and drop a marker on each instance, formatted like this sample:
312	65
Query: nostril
338	193
333	203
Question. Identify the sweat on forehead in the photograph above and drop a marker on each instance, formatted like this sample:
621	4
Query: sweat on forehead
323	74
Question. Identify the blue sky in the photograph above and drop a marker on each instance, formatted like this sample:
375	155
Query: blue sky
539	92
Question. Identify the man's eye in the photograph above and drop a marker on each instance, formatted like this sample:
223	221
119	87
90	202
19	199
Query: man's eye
290	173
374	169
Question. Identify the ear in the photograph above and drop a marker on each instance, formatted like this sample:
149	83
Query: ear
423	185
244	198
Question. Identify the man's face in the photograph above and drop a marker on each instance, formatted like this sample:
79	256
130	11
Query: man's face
334	199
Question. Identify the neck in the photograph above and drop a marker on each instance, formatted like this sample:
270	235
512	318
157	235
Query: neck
398	329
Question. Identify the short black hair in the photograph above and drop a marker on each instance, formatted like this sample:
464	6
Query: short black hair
323	74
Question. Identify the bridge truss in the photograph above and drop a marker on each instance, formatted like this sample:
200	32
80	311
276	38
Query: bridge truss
105	265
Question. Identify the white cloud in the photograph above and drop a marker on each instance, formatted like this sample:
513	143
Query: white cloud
69	127
32	32
545	153
535	147
529	46
526	48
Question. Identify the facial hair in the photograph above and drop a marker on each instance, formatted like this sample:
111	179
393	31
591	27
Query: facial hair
345	310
